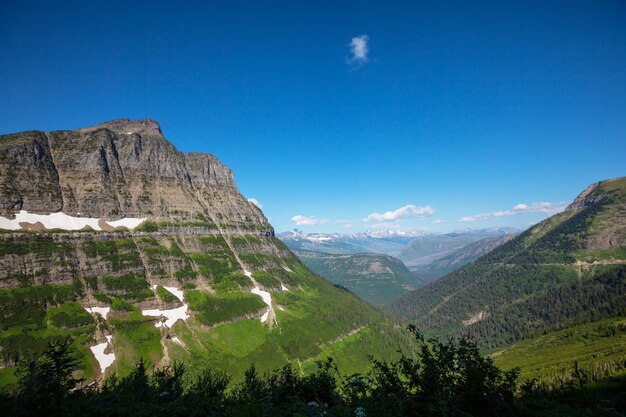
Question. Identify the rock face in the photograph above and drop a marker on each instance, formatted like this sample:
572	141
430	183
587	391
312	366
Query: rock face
118	169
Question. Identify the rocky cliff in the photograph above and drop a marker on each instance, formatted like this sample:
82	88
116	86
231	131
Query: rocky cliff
115	170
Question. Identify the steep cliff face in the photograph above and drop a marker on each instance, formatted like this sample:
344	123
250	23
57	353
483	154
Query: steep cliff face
136	250
115	170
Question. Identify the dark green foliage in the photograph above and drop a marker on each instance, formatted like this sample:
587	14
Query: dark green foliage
216	309
103	298
266	279
210	265
148	226
70	315
92	282
231	282
374	277
38	244
128	282
45	383
185	274
165	295
577	302
121	305
121	253
443	379
27	306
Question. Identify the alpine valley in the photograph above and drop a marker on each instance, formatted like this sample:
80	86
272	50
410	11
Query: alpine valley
134	250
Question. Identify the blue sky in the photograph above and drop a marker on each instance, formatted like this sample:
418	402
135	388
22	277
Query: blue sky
348	116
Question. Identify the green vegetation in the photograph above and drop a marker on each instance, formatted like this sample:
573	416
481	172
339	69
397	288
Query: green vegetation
27	306
266	279
216	309
231	282
118	304
598	349
135	338
129	286
533	283
69	315
165	295
374	277
211	266
185	274
441	379
120	253
35	244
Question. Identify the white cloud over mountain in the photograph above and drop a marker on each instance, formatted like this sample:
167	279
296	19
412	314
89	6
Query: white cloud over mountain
521	208
402	213
301	220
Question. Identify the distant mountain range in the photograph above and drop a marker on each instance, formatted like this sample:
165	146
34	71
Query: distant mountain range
412	247
423	250
568	269
370	264
466	254
387	242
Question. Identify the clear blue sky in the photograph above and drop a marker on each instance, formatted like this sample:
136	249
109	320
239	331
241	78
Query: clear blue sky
457	109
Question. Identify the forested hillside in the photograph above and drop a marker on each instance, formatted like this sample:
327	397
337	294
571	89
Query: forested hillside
567	269
375	277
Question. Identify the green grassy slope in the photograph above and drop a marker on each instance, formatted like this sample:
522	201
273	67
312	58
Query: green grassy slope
599	348
565	270
224	329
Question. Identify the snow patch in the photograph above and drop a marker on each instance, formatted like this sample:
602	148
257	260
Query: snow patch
63	221
103	311
129	222
175	339
266	296
172	315
104	359
283	288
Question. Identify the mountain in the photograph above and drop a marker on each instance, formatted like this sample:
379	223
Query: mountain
448	263
428	248
374	277
388	242
132	249
569	269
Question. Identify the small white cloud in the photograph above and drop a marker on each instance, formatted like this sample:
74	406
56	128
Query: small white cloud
438	221
542	207
341	221
403	212
301	220
467	219
255	202
359	48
